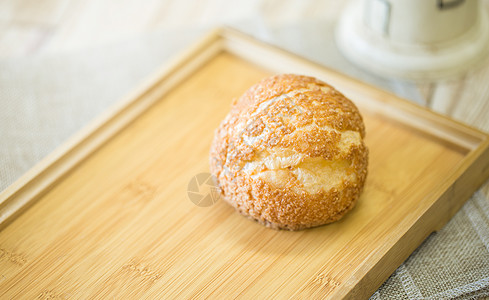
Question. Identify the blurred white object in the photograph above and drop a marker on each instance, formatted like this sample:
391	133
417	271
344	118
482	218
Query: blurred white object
414	39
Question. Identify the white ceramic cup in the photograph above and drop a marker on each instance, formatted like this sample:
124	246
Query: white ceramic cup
415	39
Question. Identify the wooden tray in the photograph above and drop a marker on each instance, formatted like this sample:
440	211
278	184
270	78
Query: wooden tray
109	214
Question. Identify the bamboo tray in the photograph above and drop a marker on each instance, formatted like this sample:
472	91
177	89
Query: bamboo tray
109	215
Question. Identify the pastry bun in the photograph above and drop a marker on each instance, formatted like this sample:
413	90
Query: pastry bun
290	153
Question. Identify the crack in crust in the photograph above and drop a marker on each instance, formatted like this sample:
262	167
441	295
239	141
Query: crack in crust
290	153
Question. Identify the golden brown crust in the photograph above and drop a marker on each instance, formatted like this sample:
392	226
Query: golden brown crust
265	151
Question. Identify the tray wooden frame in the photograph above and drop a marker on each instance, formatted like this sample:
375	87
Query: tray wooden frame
454	191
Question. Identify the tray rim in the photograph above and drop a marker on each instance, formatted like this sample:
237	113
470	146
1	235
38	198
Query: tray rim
472	171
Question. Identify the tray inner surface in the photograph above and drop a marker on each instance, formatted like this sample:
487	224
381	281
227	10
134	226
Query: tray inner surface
120	224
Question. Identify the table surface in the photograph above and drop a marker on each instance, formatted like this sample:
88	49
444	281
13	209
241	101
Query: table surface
29	27
32	29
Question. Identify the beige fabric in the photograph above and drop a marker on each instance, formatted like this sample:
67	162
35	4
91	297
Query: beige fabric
451	263
43	100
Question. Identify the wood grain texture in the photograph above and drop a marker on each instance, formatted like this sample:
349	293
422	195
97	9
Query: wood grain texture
120	223
27	189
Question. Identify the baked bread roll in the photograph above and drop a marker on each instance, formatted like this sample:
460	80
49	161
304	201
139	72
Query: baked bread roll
290	153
